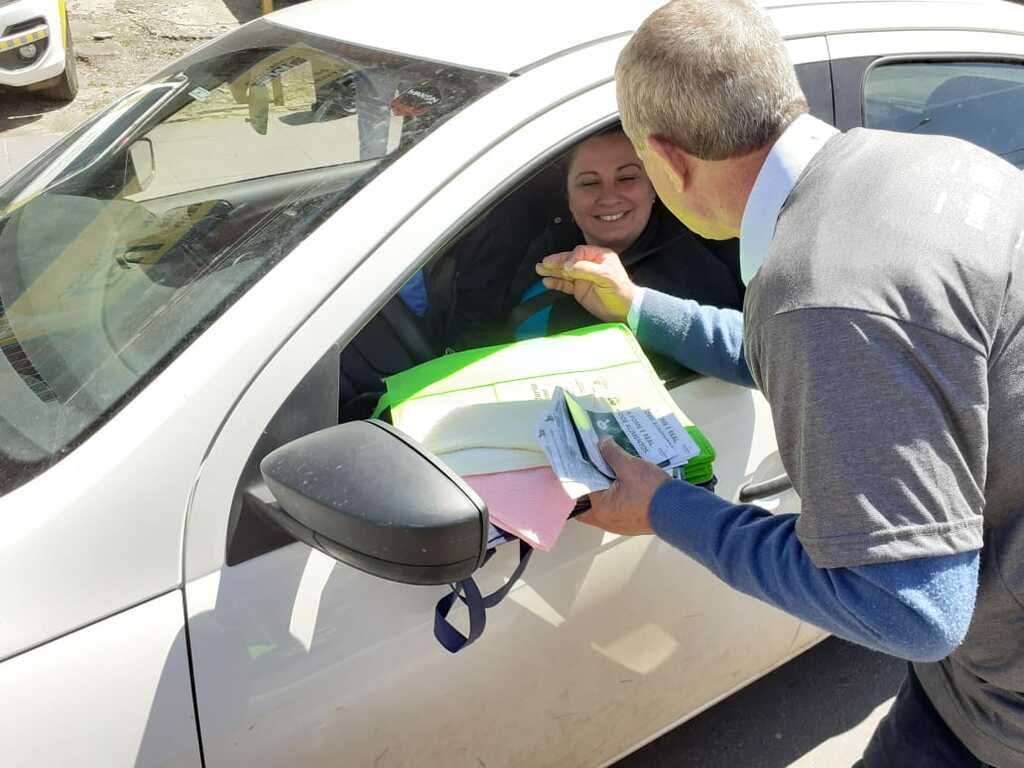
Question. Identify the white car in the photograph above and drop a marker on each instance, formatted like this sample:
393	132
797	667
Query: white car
37	52
209	269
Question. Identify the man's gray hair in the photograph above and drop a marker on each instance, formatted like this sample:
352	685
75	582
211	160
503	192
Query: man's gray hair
711	76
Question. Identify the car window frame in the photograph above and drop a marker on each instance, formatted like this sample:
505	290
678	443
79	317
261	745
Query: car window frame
896	60
850	75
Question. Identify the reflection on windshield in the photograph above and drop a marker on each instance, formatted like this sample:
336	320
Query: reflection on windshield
126	240
98	141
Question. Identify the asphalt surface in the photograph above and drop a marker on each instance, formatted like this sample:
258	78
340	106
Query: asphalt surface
817	711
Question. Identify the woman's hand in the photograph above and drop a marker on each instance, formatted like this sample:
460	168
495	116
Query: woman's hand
594	276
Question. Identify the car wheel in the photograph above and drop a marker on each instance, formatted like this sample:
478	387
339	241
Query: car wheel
64	87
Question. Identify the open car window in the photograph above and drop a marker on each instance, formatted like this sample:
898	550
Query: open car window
481	288
124	241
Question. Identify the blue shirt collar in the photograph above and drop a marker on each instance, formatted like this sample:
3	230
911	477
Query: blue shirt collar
792	152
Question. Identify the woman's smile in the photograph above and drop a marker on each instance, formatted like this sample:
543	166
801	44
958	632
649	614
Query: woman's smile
610	195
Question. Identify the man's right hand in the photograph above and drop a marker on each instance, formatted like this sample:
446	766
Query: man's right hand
594	276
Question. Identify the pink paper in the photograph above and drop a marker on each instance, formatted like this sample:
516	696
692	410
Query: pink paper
529	503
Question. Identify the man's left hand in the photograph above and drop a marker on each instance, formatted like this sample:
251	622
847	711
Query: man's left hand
625	507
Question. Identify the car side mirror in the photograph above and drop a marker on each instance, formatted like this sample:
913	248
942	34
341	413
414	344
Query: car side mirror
368	495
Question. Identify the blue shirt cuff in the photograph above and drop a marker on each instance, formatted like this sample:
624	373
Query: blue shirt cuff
633	316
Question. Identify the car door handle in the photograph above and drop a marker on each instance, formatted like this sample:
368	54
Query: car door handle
770	487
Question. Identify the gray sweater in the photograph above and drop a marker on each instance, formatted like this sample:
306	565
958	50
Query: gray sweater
885	329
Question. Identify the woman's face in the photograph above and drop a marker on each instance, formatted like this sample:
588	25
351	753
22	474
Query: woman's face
610	196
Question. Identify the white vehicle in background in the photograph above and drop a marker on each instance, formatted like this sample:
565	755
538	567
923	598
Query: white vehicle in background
211	268
37	53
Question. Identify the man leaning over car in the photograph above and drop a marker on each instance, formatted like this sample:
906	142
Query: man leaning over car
884	323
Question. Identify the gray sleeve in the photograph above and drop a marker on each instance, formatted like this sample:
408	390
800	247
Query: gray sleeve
882	427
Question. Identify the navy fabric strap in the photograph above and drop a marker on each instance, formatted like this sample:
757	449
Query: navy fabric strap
469	593
453	640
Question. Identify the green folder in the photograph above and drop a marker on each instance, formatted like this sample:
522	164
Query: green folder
606	357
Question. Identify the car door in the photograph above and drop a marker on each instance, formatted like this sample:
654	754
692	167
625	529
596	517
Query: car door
606	641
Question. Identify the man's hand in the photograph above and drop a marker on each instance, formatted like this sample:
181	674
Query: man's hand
625	507
593	275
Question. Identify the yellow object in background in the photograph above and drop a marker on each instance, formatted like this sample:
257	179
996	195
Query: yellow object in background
16	41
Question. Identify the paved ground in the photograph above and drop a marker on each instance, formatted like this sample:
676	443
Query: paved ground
815	712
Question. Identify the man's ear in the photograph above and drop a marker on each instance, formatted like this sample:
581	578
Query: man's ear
677	163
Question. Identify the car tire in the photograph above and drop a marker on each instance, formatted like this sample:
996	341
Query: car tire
64	87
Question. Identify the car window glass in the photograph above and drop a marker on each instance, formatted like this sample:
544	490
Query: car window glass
121	244
981	102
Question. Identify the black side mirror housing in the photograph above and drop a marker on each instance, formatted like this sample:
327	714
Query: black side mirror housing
368	495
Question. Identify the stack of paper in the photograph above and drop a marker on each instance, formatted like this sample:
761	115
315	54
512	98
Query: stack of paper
573	428
478	411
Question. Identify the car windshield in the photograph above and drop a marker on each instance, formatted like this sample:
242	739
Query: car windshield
121	243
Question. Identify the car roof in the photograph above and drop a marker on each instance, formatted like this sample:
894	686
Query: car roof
509	37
